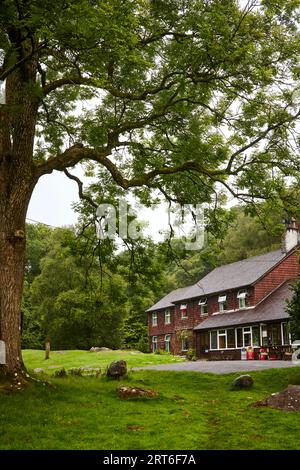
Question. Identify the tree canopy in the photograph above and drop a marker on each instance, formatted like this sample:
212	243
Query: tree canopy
186	98
173	95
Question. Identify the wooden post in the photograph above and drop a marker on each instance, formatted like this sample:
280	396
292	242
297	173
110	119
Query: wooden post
47	350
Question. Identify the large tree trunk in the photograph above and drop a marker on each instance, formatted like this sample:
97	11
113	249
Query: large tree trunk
13	208
17	180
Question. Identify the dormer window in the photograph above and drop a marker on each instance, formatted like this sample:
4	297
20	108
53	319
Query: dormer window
183	309
203	306
222	302
242	297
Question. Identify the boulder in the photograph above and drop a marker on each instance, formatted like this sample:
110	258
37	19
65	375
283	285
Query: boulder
117	369
242	382
135	392
286	400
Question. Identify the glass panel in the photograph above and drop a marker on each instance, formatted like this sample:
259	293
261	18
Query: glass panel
276	334
222	342
247	339
204	309
154	343
242	302
264	335
255	336
167	317
154	319
239	337
231	338
285	333
222	306
213	340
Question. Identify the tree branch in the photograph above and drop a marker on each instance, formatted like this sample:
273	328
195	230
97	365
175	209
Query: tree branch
80	188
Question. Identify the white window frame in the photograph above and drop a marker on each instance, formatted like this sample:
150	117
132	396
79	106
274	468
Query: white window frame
167	316
222	299
220	335
154	342
154	319
168	341
242	296
245	330
203	306
261	327
183	308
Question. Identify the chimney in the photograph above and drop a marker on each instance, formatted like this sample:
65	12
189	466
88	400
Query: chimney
292	235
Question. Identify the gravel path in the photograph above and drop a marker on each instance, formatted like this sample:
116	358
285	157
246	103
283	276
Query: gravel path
219	367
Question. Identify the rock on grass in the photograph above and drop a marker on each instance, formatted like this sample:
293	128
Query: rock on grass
287	400
242	382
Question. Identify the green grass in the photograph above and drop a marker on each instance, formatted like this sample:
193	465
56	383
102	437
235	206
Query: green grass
68	359
192	411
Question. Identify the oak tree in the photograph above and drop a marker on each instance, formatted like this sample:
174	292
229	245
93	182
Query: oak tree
182	97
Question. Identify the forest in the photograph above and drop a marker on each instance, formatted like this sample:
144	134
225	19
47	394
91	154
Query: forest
82	292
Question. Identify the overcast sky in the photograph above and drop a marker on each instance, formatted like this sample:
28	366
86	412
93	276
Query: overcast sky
51	203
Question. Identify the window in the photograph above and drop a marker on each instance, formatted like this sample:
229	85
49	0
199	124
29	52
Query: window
154	343
247	336
222	302
167	317
242	297
231	338
203	307
264	335
185	343
285	333
222	339
167	342
239	337
183	309
213	340
154	319
255	336
276	334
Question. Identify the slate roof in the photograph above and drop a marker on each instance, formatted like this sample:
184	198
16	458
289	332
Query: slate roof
167	301
230	276
270	308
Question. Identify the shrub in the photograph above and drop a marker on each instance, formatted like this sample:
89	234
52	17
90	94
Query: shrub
162	352
191	354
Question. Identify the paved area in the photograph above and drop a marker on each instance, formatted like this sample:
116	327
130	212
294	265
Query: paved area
219	367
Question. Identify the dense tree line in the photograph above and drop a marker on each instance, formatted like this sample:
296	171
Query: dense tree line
81	292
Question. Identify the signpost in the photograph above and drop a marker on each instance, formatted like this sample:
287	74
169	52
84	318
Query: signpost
2	352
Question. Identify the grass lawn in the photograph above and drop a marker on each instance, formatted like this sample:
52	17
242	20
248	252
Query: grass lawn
68	359
192	411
